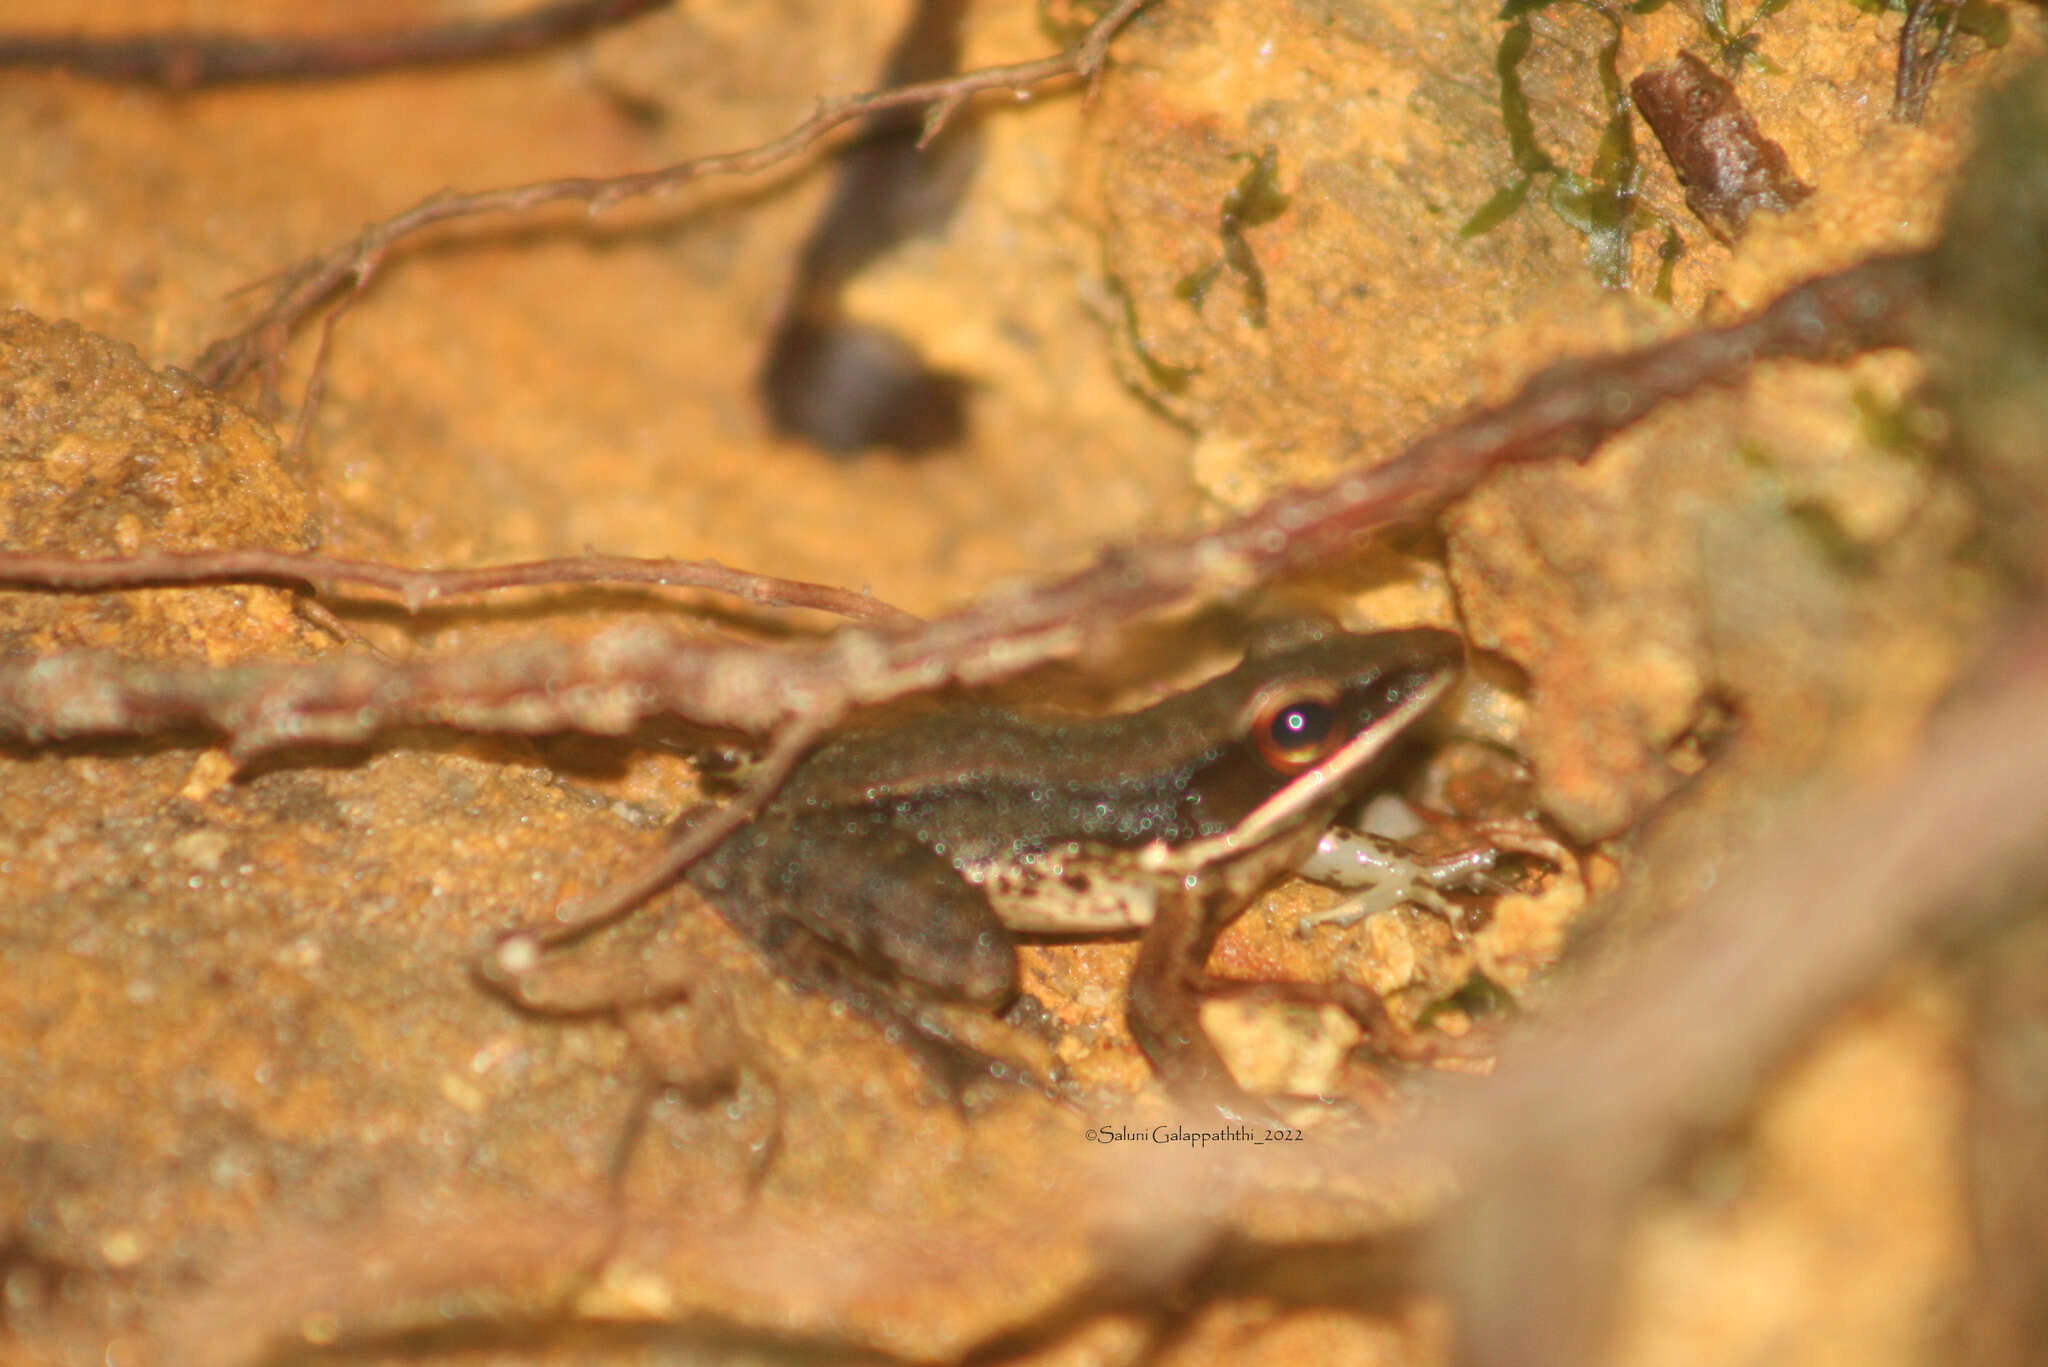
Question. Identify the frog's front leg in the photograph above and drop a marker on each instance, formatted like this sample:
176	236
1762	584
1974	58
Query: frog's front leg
1381	874
1163	1007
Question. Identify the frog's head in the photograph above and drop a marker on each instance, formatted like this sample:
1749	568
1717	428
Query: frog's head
1312	711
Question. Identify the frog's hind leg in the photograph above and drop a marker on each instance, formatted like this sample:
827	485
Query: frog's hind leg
897	910
879	921
813	963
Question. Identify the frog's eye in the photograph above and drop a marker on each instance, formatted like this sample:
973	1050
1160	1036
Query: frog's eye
1295	727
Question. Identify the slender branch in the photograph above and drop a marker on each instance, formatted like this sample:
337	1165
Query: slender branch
611	683
418	588
183	61
1918	62
316	378
313	280
520	952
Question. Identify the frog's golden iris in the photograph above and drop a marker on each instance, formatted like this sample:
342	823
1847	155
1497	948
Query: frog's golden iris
1295	726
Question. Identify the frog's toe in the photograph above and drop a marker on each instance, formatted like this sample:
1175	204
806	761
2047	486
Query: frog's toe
965	1074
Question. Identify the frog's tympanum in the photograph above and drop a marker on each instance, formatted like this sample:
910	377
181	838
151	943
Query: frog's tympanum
897	863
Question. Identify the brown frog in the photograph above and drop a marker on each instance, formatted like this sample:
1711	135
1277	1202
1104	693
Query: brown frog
898	864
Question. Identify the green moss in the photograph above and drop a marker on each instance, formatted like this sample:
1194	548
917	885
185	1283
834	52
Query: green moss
1611	196
1529	157
1738	43
1514	104
1668	252
1599	204
1825	533
1888	424
1481	997
1168	379
1194	286
1064	21
1498	209
1255	200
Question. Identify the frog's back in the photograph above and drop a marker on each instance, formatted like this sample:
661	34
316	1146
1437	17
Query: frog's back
993	778
985	780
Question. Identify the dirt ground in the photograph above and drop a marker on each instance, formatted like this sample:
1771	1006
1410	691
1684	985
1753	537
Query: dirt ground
254	1105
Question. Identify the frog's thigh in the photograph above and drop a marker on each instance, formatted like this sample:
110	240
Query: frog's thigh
902	910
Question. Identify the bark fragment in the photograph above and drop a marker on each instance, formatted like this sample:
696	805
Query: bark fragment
1728	167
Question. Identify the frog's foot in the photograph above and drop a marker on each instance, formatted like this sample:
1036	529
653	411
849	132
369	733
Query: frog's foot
1382	875
959	1072
702	1057
962	1073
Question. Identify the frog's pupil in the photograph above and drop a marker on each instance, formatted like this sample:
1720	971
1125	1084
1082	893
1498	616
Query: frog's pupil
1302	726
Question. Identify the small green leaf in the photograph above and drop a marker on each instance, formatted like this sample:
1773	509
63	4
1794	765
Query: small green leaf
1170	379
1514	105
1194	286
1257	198
1499	207
1668	252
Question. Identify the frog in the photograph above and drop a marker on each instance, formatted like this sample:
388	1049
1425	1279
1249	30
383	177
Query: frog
898	866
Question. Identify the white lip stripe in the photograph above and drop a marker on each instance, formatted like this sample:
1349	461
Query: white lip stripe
1277	813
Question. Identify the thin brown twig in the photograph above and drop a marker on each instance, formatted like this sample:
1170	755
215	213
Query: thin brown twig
520	950
184	61
321	616
316	278
316	378
417	589
612	682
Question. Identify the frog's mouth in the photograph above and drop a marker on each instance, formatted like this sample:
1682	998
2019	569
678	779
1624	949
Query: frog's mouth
1293	805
